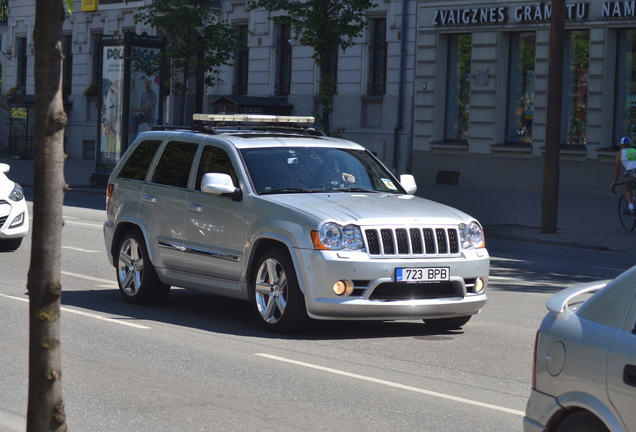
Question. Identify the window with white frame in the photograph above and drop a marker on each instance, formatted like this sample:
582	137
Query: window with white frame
458	87
67	64
21	62
520	105
376	85
283	60
575	87
625	100
241	63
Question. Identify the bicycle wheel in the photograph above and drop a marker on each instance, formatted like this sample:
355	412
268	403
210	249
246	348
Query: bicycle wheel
627	220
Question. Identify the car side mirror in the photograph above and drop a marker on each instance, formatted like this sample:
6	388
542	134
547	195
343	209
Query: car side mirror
220	184
4	168
408	183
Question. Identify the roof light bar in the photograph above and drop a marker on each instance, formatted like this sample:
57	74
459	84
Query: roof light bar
253	118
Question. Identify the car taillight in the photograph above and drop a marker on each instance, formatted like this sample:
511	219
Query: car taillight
109	193
534	361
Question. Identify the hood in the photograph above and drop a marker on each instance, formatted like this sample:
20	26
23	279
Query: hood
370	208
6	185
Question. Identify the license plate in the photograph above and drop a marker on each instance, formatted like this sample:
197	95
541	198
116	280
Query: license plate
422	274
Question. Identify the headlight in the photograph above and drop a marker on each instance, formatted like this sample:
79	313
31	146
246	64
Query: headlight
332	236
471	235
17	194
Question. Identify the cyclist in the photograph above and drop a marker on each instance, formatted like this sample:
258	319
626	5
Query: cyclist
626	158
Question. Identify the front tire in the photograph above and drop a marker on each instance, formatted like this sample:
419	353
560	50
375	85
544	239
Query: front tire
136	276
443	324
279	304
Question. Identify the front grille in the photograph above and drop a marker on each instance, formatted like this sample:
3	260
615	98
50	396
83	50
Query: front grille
3	219
414	241
413	291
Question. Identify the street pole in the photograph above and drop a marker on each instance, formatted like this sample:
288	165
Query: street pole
550	196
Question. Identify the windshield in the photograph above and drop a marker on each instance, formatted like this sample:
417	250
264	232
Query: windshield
311	169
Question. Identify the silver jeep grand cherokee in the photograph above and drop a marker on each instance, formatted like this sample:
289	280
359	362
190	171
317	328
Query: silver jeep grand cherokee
300	224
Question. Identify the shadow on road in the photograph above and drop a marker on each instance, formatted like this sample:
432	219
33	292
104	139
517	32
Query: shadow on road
235	317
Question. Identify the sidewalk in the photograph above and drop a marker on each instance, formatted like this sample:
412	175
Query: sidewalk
76	172
583	221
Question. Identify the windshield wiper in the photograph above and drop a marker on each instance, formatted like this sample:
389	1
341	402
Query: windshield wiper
354	189
285	190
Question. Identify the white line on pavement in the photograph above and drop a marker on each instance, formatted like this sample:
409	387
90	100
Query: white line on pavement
396	385
91	278
80	249
83	223
86	314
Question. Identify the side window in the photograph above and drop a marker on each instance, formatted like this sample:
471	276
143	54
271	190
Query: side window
137	165
174	166
214	160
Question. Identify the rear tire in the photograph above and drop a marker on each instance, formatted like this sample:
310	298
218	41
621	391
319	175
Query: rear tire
582	421
628	221
447	323
136	276
275	293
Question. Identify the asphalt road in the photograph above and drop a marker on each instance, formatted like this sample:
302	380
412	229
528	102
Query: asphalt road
202	363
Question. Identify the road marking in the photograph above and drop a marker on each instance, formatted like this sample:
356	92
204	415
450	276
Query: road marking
396	385
79	249
83	223
86	314
108	282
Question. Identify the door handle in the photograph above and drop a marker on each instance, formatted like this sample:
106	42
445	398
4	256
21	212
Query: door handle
149	199
629	375
195	208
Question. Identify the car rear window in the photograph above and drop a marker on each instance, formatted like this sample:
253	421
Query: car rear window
610	305
136	167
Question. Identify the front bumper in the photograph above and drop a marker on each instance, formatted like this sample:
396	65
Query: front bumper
14	219
319	270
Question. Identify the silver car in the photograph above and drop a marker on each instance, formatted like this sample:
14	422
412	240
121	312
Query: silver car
300	224
584	377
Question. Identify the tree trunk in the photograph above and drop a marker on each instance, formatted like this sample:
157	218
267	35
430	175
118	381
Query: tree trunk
45	404
550	196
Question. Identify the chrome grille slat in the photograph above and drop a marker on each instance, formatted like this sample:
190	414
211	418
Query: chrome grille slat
411	241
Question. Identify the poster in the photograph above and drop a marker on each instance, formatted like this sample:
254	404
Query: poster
112	104
144	94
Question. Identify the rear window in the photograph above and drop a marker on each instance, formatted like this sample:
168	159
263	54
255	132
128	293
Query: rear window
609	306
137	165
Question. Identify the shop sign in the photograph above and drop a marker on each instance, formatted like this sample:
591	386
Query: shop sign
521	14
619	9
119	4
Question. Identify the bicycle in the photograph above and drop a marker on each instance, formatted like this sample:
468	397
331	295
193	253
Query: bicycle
627	218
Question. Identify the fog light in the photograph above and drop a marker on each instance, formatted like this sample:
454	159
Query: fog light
19	220
480	284
343	287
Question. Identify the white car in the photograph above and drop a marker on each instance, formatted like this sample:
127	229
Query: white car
14	214
584	376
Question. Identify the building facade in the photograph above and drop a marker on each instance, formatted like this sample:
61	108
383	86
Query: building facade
452	92
481	83
373	104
